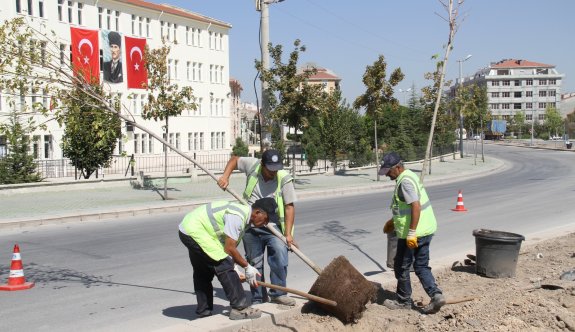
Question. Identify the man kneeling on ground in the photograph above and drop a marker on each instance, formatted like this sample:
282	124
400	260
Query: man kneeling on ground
212	233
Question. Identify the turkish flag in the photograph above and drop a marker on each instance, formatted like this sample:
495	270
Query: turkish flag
135	63
85	54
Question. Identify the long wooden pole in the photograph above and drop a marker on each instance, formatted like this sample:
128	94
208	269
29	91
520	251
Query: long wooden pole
300	293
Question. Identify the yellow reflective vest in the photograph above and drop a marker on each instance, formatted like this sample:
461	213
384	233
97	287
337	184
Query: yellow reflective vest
283	178
427	224
206	226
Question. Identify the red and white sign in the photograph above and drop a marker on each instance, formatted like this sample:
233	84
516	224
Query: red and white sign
85	54
135	63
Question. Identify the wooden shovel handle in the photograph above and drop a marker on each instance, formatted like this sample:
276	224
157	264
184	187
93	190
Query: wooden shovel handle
300	293
308	261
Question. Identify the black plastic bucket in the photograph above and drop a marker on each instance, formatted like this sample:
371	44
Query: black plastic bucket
496	253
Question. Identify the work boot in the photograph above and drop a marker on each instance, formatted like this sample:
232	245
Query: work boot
205	313
394	304
437	301
283	299
245	313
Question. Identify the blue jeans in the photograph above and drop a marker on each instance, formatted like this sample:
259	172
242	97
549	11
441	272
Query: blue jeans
420	259
256	240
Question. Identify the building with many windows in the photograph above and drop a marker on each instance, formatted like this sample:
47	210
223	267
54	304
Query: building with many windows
199	58
518	86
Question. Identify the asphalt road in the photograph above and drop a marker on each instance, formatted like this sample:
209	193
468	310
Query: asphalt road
134	274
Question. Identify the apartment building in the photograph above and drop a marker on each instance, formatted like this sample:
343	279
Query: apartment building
324	77
199	58
518	86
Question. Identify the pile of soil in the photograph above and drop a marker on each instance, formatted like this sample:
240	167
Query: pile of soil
536	299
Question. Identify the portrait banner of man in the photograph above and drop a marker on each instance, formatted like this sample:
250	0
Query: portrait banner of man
112	56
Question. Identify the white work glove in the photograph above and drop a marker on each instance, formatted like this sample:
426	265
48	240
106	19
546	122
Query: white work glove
240	274
251	275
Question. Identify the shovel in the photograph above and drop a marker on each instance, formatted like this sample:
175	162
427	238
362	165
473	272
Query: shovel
300	293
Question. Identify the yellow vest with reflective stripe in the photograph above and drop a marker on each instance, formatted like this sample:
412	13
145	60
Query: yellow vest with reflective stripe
206	226
402	211
283	178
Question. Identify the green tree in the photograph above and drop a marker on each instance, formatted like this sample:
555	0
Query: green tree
292	100
165	99
519	122
90	135
240	149
312	155
335	127
18	166
378	93
553	121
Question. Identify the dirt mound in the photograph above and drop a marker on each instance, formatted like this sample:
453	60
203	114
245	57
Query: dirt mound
535	300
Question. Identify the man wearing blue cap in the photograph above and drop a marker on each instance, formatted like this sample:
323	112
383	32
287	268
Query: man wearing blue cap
267	178
414	224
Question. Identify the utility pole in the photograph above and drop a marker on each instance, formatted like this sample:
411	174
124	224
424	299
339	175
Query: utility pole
264	41
460	109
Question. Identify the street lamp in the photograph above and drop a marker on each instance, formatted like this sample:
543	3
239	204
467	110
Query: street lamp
460	109
405	95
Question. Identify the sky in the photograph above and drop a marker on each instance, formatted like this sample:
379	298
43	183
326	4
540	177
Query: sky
347	36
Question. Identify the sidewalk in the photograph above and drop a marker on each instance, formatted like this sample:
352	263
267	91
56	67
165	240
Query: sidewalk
60	202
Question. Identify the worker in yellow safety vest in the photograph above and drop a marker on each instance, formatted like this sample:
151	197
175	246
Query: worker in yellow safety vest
414	224
212	233
267	178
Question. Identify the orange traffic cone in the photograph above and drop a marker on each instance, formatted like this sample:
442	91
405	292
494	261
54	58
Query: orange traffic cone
16	280
459	207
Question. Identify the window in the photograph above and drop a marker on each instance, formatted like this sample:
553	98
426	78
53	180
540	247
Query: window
213	141
553	105
506	82
108	18
494	106
552	81
543	105
177	140
218	140
133	24
494	94
528	106
62	54
3	146
162	23
140	23
188	37
18	7
199	106
41	8
528	93
529	82
211	73
188	71
494	83
190	141
528	117
163	145
210	43
136	143
506	94
196	141
542	93
505	106
117	20
150	144
148	27
100	14
517	83
60	9
176	63
144	141
70	7
169	31
551	93
47	146
517	106
170	69
517	94
542	82
174	32
80	6
36	146
30	7
541	117
201	141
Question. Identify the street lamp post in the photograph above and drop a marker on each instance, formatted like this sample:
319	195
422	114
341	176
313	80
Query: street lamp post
460	109
404	95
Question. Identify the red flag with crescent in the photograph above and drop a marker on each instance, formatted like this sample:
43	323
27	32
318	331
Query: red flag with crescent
85	54
135	64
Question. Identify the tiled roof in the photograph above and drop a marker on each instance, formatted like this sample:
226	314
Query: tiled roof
323	74
514	63
176	11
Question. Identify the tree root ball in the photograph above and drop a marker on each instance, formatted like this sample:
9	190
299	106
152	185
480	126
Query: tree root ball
342	283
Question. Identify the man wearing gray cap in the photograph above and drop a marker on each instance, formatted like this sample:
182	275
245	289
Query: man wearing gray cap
414	224
113	68
267	178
